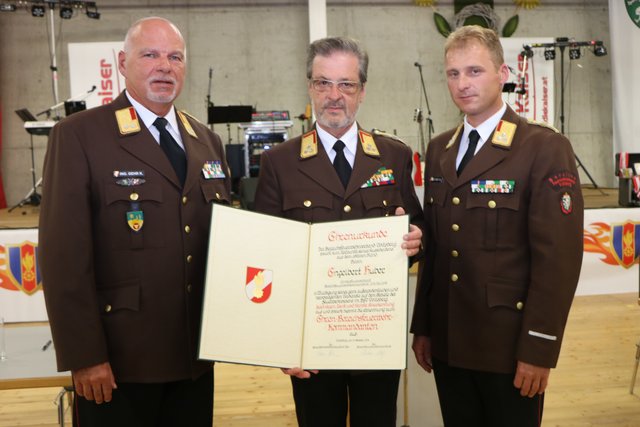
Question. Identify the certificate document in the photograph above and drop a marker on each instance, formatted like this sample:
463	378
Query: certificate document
285	293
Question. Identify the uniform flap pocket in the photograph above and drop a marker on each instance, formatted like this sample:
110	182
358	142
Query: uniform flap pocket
297	200
435	194
493	201
380	197
505	293
126	296
215	191
139	193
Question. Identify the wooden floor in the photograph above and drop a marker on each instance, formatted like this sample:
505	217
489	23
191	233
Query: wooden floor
590	387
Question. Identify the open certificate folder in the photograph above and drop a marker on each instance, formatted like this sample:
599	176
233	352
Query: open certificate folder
319	296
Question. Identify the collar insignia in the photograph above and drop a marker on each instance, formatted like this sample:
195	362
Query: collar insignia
127	121
368	144
309	145
503	135
186	124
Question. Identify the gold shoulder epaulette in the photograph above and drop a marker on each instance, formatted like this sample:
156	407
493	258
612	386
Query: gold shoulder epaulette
454	137
379	132
543	124
183	118
309	145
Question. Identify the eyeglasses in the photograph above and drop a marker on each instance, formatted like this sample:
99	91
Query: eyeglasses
346	87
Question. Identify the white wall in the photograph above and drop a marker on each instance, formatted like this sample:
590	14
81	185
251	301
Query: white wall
257	50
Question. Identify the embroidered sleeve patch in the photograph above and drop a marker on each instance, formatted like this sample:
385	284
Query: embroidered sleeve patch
562	180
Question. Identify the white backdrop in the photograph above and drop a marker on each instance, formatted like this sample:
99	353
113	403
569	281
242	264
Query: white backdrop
536	73
95	64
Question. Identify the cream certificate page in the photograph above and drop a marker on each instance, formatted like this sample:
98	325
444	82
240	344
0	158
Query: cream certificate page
285	293
356	316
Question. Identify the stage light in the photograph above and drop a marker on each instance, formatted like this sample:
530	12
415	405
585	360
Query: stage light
37	10
66	12
574	53
549	54
6	7
599	49
92	10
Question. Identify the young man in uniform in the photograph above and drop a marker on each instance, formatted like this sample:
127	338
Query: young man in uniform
503	243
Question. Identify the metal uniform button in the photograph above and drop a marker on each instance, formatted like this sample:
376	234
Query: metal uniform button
189	288
454	253
520	305
307	203
384	203
492	204
455	200
184	200
107	308
189	258
454	277
134	196
430	200
455	227
218	196
187	229
347	208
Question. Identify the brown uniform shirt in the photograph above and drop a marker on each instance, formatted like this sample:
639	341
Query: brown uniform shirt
501	267
132	298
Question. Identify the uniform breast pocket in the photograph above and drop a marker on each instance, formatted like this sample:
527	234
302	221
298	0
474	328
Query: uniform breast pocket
134	217
497	215
214	191
381	201
434	198
307	206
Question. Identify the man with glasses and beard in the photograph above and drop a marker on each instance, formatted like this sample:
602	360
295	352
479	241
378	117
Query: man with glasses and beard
338	171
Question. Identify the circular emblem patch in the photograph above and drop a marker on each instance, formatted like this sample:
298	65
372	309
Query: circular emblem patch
633	9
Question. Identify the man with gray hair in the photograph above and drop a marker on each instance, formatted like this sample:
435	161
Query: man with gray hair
328	174
124	224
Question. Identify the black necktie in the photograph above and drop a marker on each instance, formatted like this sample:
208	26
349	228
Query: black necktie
341	164
474	137
174	152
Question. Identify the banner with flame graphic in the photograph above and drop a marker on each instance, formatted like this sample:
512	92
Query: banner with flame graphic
21	297
611	251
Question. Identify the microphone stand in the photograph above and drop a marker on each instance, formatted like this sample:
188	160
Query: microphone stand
80	97
209	103
430	129
562	43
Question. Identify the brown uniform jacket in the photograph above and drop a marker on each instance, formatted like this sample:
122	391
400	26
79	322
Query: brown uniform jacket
501	269
309	190
113	294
